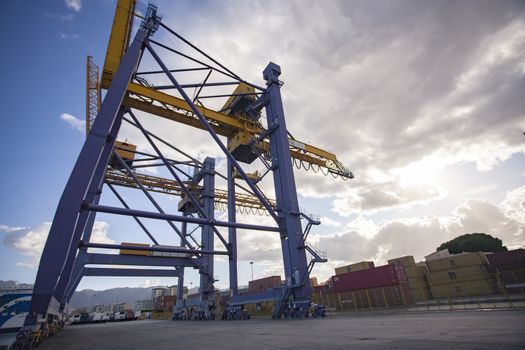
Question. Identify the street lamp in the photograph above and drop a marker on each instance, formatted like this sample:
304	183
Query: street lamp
93	302
251	265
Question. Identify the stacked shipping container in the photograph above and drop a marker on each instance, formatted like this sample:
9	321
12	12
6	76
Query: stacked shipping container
381	276
416	276
363	265
508	269
383	286
262	284
165	303
460	275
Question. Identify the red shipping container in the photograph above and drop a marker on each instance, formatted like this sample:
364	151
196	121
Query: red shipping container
381	276
262	284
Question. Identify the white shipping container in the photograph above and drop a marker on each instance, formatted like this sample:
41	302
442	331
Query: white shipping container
169	254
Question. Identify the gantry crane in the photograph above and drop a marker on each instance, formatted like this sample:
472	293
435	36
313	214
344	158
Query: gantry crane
105	162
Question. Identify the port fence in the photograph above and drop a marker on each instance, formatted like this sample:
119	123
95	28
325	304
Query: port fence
379	301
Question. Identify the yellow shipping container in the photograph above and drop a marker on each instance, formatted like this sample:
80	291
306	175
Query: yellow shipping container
457	261
461	282
406	261
415	271
134	252
125	150
363	265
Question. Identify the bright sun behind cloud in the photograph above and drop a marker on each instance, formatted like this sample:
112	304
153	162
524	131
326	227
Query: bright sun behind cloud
422	172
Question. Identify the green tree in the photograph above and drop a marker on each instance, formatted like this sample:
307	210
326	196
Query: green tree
473	242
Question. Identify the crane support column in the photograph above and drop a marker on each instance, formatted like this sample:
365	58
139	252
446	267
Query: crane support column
180	280
60	237
232	233
294	254
206	288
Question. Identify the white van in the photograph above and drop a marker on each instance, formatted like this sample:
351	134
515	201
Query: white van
75	319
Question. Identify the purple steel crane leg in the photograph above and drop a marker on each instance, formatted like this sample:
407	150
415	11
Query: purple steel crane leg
60	237
294	254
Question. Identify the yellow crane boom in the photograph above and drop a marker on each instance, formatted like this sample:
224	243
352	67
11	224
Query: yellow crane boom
152	100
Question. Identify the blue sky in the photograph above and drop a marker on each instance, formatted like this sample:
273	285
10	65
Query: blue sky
421	101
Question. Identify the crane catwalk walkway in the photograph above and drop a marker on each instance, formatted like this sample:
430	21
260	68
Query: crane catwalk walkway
458	330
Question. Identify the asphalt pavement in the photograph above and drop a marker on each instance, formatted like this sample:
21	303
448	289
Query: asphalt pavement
438	330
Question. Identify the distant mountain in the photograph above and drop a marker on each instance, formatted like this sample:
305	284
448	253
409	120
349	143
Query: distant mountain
88	297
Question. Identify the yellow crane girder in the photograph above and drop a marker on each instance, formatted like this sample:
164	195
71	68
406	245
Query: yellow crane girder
153	101
166	186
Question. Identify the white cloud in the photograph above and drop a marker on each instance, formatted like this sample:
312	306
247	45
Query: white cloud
6	228
514	204
30	241
50	15
330	222
419	236
99	233
75	5
71	36
379	196
364	239
363	227
150	282
74	122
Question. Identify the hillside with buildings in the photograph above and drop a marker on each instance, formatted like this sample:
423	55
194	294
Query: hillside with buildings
87	298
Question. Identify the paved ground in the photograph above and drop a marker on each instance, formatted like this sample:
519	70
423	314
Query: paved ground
447	330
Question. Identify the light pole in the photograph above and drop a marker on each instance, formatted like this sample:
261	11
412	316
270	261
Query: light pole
93	302
251	265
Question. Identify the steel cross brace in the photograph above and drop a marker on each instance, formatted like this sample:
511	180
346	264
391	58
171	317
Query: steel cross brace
84	258
177	178
150	197
214	135
95	271
180	218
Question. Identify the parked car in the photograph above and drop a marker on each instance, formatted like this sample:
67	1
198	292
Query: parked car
75	319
